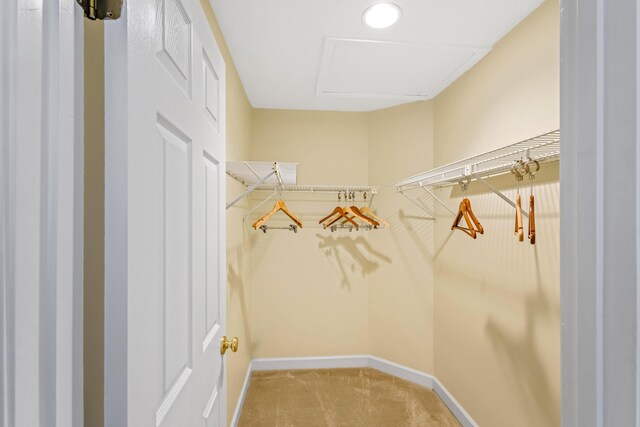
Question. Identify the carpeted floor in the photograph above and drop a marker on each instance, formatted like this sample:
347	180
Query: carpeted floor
340	397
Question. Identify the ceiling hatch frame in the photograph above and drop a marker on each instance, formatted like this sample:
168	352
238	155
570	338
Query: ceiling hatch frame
475	54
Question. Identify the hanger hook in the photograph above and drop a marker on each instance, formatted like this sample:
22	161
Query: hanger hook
527	168
516	172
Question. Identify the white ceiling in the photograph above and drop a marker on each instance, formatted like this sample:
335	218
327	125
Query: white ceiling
319	55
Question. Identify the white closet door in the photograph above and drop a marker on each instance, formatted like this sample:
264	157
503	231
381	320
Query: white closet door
41	124
165	221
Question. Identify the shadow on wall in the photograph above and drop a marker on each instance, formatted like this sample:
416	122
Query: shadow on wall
237	289
517	303
521	351
416	236
347	254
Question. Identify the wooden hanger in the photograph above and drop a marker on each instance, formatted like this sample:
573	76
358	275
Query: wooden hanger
358	214
364	217
337	210
279	206
348	216
367	211
342	213
532	221
464	211
475	221
518	230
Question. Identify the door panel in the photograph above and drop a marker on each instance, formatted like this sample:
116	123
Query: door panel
212	265
169	210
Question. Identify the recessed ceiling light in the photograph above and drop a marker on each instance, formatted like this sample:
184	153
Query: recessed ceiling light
381	15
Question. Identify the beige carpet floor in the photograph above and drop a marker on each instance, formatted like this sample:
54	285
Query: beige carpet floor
340	397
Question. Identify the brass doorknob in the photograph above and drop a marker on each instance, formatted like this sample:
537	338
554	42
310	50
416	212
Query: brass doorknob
225	344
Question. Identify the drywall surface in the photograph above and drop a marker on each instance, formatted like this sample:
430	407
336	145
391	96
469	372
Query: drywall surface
401	290
497	308
309	290
239	116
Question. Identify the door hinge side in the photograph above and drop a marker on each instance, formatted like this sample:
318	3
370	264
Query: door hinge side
101	9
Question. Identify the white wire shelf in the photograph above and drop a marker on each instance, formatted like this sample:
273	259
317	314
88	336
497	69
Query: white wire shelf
542	148
263	173
278	177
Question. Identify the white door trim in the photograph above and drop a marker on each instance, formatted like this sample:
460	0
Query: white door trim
600	186
41	220
354	361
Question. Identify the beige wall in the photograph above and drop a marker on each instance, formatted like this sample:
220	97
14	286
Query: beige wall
497	308
309	290
401	293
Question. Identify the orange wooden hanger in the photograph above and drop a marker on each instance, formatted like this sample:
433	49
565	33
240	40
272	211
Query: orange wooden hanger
279	206
532	221
358	213
475	221
518	229
342	213
368	212
464	211
348	216
532	218
337	211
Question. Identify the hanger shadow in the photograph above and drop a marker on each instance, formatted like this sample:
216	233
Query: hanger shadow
354	251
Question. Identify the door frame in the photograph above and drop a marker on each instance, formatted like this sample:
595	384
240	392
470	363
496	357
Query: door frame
600	212
41	213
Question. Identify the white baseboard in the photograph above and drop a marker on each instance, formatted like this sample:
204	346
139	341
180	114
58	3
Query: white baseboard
407	374
458	411
329	362
357	361
243	396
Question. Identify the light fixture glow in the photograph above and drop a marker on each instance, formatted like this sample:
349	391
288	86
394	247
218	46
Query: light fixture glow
381	15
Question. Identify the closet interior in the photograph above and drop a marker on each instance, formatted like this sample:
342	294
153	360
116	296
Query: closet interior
419	238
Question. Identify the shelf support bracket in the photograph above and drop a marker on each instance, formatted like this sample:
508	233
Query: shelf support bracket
261	203
437	199
500	194
252	188
422	208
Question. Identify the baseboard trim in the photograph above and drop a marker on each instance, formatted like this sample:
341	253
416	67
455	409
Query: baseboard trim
243	396
458	411
356	361
329	362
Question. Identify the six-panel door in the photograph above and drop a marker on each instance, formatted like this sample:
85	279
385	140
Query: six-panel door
173	154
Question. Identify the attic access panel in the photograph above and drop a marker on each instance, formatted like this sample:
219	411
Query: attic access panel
392	70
